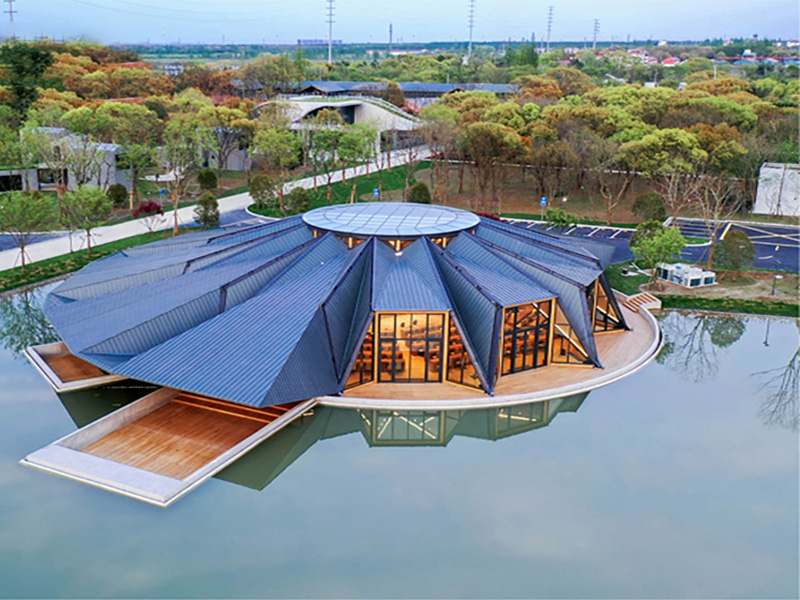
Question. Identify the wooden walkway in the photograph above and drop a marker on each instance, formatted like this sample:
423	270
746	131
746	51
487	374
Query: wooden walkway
71	368
183	435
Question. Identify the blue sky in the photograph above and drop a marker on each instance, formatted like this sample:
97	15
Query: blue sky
273	21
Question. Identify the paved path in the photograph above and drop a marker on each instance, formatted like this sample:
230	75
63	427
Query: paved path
232	212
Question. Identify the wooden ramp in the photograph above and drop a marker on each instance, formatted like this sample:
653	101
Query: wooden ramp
162	446
64	371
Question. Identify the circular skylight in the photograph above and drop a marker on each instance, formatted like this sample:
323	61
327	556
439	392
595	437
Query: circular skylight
390	219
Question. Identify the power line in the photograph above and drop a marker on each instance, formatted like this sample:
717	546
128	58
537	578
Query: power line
471	27
330	31
549	25
596	31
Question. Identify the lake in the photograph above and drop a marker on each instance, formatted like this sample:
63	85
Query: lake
681	481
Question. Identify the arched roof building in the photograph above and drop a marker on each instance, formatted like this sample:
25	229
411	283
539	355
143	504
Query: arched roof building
340	297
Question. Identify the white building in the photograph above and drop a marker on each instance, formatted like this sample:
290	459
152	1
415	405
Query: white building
778	190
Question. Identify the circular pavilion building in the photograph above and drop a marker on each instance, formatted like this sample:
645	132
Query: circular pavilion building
346	300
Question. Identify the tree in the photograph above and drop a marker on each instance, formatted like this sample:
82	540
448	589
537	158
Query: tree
394	95
649	206
419	193
491	147
298	200
279	148
180	151
356	147
150	213
559	219
86	208
24	66
136	129
22	215
440	130
227	126
652	243
117	194
62	154
263	192
206	213
207	179
735	252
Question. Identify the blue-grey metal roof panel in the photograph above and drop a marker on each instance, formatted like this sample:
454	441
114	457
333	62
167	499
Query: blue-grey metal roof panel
409	282
396	220
477	313
545	238
507	285
575	268
239	354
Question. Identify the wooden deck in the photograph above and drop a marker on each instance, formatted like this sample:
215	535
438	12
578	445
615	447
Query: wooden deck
616	349
183	435
71	368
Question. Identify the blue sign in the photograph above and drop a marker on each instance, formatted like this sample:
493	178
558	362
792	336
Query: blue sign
376	193
543	201
162	191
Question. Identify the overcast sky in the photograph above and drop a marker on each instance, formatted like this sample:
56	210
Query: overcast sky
284	21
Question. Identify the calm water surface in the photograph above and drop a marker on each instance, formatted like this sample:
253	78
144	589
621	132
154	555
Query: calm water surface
679	482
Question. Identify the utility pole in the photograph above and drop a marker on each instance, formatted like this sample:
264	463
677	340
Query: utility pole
330	31
549	25
11	12
471	27
390	38
596	31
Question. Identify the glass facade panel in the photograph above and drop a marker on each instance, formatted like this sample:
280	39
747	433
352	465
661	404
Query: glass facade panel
364	367
526	333
605	318
459	364
411	347
567	349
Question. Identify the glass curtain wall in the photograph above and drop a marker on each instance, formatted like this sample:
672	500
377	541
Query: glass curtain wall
604	317
459	364
363	369
526	336
411	346
567	349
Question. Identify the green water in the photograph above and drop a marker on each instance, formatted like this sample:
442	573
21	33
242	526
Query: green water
680	481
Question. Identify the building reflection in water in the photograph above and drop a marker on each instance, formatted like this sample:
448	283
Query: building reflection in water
259	467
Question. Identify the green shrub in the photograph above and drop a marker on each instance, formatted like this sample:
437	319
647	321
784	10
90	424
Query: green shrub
117	193
206	213
650	206
263	191
734	252
419	193
207	179
298	200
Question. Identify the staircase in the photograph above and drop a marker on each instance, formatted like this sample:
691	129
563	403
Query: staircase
642	300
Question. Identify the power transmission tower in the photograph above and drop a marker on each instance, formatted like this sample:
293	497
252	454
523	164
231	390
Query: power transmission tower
596	31
549	25
330	31
471	27
390	38
11	12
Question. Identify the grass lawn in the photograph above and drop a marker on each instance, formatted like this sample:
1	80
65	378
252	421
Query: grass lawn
340	192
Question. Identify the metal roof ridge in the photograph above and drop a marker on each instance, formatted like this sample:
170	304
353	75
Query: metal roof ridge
511	230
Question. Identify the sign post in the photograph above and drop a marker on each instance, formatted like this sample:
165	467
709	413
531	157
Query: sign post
543	203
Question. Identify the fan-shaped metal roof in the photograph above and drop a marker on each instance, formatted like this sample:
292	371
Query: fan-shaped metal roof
271	314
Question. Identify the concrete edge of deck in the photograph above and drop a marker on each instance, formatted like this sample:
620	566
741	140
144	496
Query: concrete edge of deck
35	355
64	458
604	378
